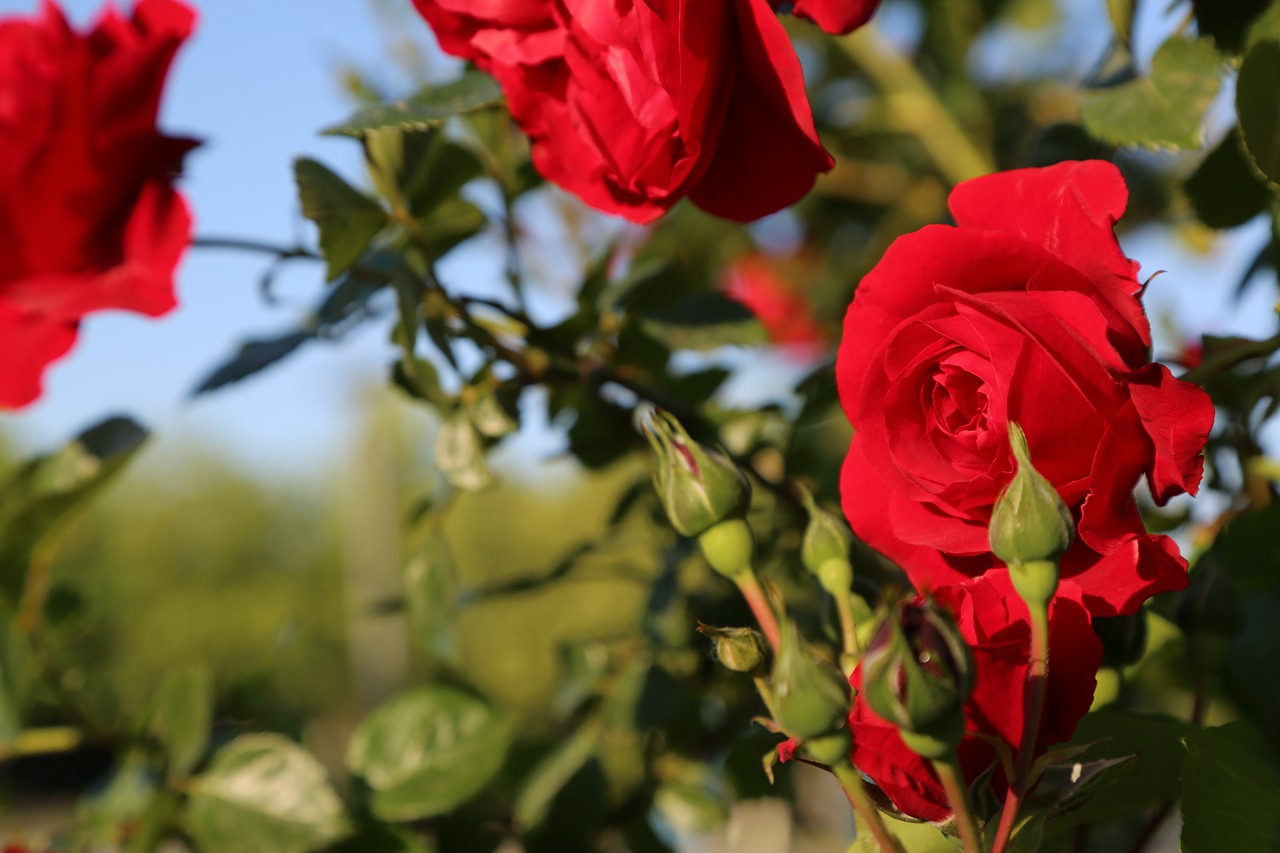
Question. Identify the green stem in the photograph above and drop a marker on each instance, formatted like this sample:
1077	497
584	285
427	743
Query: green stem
916	105
948	770
44	741
749	586
851	650
865	809
1037	683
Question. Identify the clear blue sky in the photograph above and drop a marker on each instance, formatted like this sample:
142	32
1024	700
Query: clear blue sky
256	81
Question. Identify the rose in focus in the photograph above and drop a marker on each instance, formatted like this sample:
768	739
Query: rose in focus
89	220
993	621
633	105
1026	310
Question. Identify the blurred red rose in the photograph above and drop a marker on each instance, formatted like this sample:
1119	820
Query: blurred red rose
631	106
1026	310
785	312
834	16
89	220
993	621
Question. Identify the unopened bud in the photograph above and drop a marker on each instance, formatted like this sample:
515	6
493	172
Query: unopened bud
917	674
698	486
739	649
729	548
825	538
811	698
1029	522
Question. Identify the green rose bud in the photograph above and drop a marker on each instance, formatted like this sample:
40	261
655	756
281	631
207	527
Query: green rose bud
825	547
739	649
917	674
699	487
811	699
1030	522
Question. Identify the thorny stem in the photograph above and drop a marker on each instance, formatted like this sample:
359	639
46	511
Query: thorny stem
1037	683
858	797
948	771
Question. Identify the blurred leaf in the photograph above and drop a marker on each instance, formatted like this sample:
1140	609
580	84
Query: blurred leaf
419	378
1165	109
347	218
1259	108
1249	549
430	583
539	789
487	413
460	454
1251	672
253	356
448	224
263	792
1230	792
1265	26
1121	12
427	751
380	838
41	494
1224	190
431	107
125	800
1069	786
704	321
182	716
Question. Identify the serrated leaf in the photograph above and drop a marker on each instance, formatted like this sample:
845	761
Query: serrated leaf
347	218
1165	109
181	717
252	357
42	494
427	751
460	454
263	792
431	107
1259	109
1230	792
1224	190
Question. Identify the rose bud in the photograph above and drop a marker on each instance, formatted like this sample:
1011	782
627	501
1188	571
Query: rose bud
917	674
739	649
811	699
825	549
699	487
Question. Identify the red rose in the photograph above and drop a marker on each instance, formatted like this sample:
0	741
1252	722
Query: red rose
993	622
632	106
88	218
834	16
1026	310
784	311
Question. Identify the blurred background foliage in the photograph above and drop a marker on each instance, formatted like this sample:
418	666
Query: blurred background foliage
546	599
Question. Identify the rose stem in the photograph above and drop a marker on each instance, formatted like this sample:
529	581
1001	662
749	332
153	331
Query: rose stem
949	772
1037	682
851	650
864	808
751	590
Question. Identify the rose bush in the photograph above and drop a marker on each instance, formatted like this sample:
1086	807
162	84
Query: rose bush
1025	310
993	621
632	106
783	310
89	220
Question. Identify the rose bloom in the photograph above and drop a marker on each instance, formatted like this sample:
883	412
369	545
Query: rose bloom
834	16
784	311
89	220
993	621
1026	310
633	105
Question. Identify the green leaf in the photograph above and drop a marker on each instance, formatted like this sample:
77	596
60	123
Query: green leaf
487	413
263	792
428	751
182	716
1166	109
380	838
432	107
430	585
1121	12
1226	22
41	495
1259	108
419	378
540	788
347	218
1230	792
1265	26
460	454
1224	190
252	357
704	321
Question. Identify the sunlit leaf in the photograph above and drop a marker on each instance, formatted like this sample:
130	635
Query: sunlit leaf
347	218
431	107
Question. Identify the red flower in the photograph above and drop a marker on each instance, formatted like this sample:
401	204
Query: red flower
993	622
88	218
785	312
834	16
632	106
1027	310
